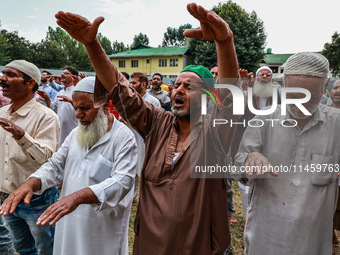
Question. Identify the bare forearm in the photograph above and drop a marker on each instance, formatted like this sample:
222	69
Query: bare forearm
227	60
34	183
104	68
85	196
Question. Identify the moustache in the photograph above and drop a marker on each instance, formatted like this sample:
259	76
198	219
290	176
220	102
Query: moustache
4	83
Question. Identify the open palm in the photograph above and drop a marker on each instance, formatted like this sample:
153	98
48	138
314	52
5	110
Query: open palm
78	27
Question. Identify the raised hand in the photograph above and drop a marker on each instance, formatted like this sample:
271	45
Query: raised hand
65	99
43	96
213	27
79	27
9	126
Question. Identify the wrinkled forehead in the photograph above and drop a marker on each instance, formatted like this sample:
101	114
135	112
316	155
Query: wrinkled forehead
312	83
189	77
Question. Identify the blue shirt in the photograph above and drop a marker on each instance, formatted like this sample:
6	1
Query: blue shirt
52	93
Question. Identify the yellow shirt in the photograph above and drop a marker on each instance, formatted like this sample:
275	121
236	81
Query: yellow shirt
20	158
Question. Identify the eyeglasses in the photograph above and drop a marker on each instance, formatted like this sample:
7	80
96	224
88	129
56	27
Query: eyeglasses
264	74
66	73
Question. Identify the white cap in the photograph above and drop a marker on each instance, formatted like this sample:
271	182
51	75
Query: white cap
85	85
307	63
263	68
26	67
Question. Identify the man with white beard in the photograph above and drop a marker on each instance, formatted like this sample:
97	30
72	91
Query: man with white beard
263	88
96	163
293	206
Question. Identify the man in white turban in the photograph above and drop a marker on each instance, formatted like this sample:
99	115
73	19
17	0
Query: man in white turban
291	167
96	164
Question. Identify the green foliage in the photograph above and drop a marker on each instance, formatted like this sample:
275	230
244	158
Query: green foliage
106	44
118	47
249	38
15	47
174	36
140	39
332	52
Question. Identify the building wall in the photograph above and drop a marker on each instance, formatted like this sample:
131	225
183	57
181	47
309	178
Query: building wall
152	66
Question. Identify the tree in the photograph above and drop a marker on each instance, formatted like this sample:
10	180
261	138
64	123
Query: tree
174	36
106	44
15	47
76	54
118	47
140	39
249	38
332	52
4	50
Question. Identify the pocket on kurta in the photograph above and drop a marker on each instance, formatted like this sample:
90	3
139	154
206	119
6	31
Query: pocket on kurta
322	169
101	169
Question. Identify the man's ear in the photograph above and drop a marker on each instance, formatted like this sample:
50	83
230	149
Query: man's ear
326	85
144	85
30	83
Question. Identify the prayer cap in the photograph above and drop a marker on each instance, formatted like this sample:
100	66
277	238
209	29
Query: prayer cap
85	85
202	72
27	68
307	63
263	68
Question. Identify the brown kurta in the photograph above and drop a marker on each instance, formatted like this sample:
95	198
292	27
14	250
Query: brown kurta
177	214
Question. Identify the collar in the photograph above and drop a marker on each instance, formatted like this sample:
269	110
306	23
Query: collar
25	109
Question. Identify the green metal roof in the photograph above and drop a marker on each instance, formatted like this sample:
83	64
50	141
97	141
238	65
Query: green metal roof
145	52
276	58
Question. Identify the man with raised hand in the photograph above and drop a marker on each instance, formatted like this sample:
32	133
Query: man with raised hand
96	164
177	214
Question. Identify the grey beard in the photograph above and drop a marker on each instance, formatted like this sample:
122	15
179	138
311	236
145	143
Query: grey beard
263	90
87	136
182	114
300	115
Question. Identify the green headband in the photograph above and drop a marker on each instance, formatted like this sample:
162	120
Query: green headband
202	72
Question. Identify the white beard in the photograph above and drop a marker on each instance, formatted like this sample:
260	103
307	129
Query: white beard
264	90
297	114
87	136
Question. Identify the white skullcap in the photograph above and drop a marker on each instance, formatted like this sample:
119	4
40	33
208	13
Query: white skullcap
263	68
26	67
85	85
307	63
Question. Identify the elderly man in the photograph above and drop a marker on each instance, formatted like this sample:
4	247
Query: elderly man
28	137
293	206
176	214
97	166
263	88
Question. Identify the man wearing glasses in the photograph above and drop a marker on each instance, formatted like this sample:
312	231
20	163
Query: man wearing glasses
263	88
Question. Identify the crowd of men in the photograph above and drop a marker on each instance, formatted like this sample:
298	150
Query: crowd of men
62	133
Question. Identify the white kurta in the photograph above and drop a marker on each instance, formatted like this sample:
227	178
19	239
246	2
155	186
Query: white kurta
65	112
108	168
293	213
